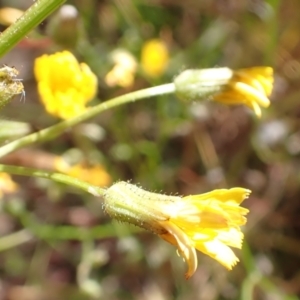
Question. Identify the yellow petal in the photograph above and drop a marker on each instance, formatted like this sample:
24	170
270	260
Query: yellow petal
220	252
232	237
186	250
256	108
234	195
251	93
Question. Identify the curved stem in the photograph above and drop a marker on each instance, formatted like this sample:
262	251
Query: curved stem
30	19
58	177
55	130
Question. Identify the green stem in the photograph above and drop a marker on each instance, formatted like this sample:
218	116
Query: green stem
15	239
55	130
62	232
58	177
30	19
34	228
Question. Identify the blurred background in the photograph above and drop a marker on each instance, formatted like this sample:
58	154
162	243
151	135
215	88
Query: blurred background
49	248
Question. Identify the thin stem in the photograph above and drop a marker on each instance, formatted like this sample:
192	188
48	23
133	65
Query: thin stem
58	177
55	130
30	19
15	239
64	232
34	228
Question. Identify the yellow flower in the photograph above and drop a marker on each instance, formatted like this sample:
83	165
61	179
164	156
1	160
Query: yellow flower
251	86
154	57
9	15
64	85
7	185
124	70
95	175
209	222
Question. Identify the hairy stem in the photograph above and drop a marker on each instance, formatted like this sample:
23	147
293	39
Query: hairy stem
58	177
57	129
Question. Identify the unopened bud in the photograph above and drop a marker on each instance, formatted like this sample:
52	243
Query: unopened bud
65	26
196	84
128	203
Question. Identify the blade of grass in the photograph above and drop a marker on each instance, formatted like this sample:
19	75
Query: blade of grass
30	19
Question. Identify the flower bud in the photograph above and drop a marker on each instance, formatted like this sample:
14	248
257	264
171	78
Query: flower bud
128	203
65	26
197	84
209	222
250	87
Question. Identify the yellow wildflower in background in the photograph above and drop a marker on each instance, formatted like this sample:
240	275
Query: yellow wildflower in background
124	69
7	185
209	222
9	15
65	86
251	86
154	57
95	175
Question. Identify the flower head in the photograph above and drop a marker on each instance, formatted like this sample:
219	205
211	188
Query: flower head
209	222
64	85
124	69
95	174
154	57
251	86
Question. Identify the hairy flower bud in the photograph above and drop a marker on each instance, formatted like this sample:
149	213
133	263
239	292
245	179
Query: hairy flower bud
209	222
129	203
250	87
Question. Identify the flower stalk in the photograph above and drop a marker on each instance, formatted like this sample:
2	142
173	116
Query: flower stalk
57	129
246	86
58	177
40	10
